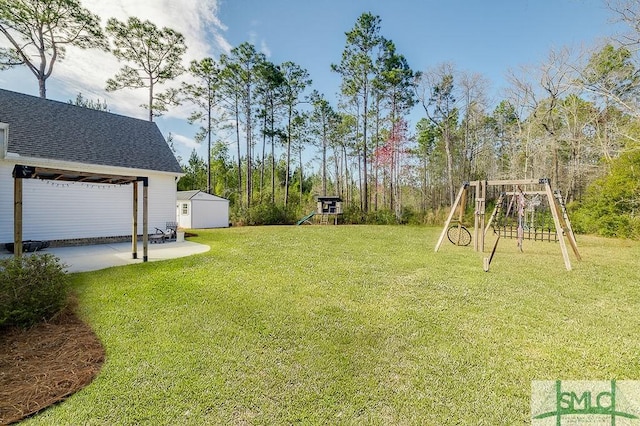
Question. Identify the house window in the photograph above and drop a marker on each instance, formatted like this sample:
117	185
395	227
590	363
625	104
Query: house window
185	209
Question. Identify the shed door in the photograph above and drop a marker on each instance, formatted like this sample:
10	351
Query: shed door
184	214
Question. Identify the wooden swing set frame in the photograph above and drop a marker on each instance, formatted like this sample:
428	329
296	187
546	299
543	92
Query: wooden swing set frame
480	228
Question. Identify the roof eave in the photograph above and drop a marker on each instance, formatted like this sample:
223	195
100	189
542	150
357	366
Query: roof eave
80	167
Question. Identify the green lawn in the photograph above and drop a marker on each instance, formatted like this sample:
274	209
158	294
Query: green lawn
352	325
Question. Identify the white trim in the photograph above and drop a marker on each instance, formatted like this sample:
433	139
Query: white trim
4	140
202	196
83	167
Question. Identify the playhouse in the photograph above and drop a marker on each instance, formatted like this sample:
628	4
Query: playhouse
329	207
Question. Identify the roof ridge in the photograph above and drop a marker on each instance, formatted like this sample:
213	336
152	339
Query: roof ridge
71	105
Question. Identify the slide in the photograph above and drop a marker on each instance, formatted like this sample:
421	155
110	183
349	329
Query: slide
306	218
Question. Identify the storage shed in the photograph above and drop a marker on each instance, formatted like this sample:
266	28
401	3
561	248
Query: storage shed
198	210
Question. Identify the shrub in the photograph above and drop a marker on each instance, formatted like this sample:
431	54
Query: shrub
381	217
353	215
33	288
265	214
612	204
410	216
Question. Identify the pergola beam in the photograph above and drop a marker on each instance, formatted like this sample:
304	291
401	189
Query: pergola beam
74	176
21	172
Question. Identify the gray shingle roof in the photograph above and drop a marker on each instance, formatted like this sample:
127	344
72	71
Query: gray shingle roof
186	195
47	129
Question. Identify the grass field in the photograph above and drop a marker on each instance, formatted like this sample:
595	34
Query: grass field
352	325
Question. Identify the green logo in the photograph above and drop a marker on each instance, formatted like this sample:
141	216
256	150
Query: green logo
585	403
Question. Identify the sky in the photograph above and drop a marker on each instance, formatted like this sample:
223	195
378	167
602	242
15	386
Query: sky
489	37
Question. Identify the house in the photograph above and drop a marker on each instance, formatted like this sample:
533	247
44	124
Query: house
87	166
197	209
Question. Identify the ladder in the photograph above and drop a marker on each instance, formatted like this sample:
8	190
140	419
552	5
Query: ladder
563	210
325	219
496	212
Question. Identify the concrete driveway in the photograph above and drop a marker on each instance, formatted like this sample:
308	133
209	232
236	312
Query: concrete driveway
101	256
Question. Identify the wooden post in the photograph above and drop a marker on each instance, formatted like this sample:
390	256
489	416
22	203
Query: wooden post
134	231
559	229
564	218
487	260
478	226
451	213
481	212
17	216
461	207
572	241
145	219
476	219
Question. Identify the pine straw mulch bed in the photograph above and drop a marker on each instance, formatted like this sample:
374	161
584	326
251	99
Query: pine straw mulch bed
45	364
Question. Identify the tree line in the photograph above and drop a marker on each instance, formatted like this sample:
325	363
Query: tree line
571	118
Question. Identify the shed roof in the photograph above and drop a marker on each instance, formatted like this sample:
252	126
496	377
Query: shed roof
52	130
189	195
328	198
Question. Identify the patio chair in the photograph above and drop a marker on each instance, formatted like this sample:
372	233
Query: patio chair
167	234
159	237
172	229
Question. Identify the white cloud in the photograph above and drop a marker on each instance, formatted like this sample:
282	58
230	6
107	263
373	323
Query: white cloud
87	70
184	141
264	48
253	36
225	46
195	19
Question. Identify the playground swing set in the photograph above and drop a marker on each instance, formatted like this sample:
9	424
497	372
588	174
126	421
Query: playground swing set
521	213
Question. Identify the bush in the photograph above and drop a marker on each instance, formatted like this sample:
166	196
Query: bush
381	217
265	214
33	288
353	215
612	204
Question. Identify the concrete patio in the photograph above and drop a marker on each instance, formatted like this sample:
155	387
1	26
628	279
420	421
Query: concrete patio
101	256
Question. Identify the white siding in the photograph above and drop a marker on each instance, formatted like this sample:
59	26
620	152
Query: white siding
65	210
204	211
6	202
209	214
